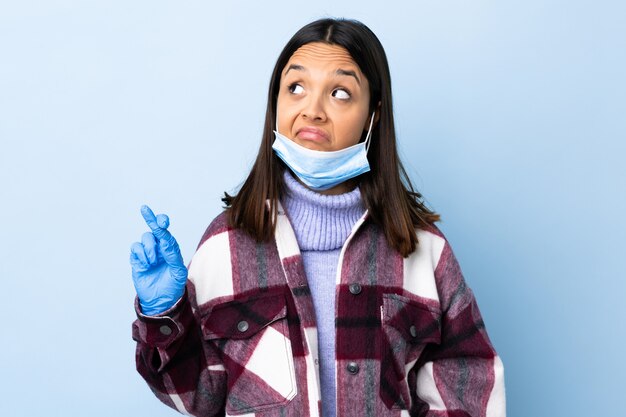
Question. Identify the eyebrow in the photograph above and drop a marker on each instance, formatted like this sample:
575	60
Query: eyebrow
340	71
295	67
348	73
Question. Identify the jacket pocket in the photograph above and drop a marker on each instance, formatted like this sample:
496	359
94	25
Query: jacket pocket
252	337
408	326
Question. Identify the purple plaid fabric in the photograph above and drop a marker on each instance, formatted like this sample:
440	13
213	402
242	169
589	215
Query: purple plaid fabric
242	341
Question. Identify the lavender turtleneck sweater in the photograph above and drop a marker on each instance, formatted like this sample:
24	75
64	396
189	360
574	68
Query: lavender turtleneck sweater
322	224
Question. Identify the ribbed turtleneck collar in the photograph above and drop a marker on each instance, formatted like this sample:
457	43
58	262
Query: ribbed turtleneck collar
320	222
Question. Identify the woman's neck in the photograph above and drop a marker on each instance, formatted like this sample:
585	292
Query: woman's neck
321	221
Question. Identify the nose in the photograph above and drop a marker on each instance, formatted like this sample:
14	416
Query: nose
314	108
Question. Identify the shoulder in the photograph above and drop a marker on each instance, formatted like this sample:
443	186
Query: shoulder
210	269
452	288
229	262
420	267
432	270
213	248
218	226
431	244
434	242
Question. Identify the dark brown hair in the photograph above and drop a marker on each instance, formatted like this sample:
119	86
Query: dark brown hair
387	192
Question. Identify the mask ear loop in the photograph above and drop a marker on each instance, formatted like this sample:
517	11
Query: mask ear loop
369	133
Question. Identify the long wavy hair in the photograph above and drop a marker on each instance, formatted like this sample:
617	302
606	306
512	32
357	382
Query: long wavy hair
387	192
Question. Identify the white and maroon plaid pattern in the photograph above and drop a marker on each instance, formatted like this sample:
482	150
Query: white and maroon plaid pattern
243	341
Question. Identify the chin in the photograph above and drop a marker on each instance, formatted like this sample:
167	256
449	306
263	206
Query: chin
311	145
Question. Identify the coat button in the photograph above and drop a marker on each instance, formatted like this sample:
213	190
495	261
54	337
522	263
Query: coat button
413	331
353	368
165	330
355	288
242	326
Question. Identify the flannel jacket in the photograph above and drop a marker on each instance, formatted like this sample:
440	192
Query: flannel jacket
410	339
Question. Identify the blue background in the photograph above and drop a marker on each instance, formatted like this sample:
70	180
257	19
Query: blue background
511	121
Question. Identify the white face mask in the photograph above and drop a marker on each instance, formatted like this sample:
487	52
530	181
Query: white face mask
320	170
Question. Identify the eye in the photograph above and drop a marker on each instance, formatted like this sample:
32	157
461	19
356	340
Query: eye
295	89
341	94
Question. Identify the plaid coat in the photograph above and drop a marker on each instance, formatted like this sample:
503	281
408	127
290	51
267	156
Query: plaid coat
242	341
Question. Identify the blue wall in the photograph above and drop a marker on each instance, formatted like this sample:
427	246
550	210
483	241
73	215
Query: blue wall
511	121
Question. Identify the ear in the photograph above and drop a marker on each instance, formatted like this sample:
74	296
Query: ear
376	118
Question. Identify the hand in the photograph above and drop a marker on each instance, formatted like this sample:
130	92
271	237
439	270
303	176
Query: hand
159	273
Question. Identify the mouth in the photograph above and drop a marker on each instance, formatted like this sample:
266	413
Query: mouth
312	133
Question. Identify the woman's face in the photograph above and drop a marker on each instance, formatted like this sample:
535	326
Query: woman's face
323	98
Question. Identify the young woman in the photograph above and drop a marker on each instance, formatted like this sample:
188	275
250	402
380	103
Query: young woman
324	287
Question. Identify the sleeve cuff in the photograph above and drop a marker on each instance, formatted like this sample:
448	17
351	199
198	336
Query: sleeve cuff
163	329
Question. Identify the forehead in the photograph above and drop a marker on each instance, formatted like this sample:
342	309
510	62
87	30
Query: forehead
318	54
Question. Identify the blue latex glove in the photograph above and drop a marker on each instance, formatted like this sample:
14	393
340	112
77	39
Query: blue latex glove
159	273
